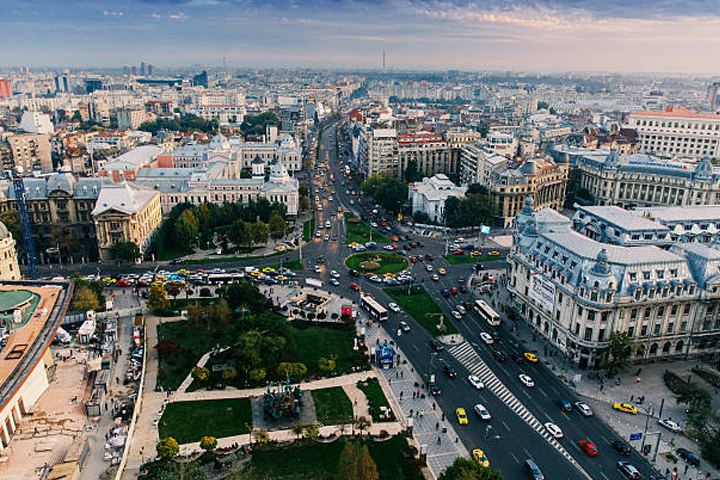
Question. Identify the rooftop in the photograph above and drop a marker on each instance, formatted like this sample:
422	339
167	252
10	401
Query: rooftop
624	219
683	112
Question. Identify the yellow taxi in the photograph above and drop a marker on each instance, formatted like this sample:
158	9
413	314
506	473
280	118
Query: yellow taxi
461	416
479	456
441	271
476	253
626	407
531	357
256	273
109	280
268	270
183	271
494	253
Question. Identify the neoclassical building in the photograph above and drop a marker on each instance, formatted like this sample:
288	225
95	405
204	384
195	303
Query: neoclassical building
576	291
9	269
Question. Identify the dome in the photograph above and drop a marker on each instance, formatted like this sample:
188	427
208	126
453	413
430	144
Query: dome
611	161
704	169
528	168
4	232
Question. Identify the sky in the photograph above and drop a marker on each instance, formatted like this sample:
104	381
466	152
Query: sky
521	35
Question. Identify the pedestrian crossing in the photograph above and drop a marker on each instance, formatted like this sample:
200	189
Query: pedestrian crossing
468	358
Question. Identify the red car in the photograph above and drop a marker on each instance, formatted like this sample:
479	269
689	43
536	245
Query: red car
413	259
458	252
454	290
429	257
123	283
588	447
355	286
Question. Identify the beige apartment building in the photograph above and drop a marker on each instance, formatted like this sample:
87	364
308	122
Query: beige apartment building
31	151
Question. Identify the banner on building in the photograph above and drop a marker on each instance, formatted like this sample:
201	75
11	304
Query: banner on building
485	229
542	291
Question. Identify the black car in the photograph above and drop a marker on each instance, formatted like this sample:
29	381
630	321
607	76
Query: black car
461	279
436	345
500	355
564	405
445	293
517	358
354	273
688	456
621	447
435	390
450	371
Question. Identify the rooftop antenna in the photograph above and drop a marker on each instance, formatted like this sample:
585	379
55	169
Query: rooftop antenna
383	59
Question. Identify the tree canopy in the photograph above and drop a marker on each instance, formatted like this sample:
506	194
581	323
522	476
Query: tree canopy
256	124
478	207
356	463
464	469
386	191
621	348
126	251
183	123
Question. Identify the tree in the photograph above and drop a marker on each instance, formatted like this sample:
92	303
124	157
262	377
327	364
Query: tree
126	251
304	203
166	347
186	229
694	396
387	191
710	447
240	233
412	173
257	375
157	299
173	289
222	313
311	431
208	443
229	373
621	348
464	469
298	430
12	222
261	436
277	225
167	448
199	315
64	237
200	373
84	299
260	232
362	423
326	365
248	351
356	463
293	370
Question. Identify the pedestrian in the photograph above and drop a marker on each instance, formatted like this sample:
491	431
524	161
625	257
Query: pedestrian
417	413
632	397
439	441
414	394
117	380
401	394
402	374
437	425
422	413
457	439
686	469
411	412
397	375
443	416
433	406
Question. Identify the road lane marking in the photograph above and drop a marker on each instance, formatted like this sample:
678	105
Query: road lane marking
515	458
506	426
543	392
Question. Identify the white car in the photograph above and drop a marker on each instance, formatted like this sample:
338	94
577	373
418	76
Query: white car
460	239
554	430
584	409
435	277
318	269
475	382
461	309
394	307
374	225
334	274
487	338
428	268
670	425
456	315
326	238
318	234
404	326
526	380
334	282
482	412
388	247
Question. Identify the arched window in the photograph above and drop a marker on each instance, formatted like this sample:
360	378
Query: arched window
653	349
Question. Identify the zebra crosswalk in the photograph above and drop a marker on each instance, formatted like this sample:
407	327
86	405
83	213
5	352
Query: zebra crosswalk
468	358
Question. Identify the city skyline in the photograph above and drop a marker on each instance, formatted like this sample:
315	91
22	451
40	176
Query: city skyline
545	35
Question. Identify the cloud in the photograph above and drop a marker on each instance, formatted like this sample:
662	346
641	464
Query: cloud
113	14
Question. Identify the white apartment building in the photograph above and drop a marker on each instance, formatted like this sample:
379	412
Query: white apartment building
677	133
129	119
477	162
36	122
429	150
226	114
576	292
429	195
378	151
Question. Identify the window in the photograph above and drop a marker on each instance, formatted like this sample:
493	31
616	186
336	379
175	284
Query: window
683	326
670	327
661	311
673	310
643	331
646	275
657	328
633	314
591	315
633	276
631	331
588	333
686	309
660	274
604	317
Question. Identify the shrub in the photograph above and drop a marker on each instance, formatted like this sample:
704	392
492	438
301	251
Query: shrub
205	292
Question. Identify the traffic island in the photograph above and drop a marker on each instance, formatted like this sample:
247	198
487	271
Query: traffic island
378	263
418	303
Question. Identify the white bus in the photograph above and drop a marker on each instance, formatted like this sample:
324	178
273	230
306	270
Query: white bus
373	308
490	315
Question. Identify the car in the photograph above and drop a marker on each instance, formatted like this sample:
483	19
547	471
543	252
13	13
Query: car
464	289
626	407
494	334
588	447
688	456
461	416
461	280
532	470
445	293
318	234
450	371
429	268
441	271
456	315
354	273
475	382
487	338
564	405
354	286
554	430
494	253
479	456
517	358
435	277
499	355
628	470
123	283
454	291
531	357
476	253
584	409
458	252
435	390
622	447
334	274
318	269
482	412
394	307
436	345
526	380
461	309
670	425
333	282
404	327
429	258
413	259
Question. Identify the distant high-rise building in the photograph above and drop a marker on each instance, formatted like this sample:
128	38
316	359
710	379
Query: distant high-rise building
150	69
143	68
201	79
714	96
5	89
126	70
134	70
92	85
62	84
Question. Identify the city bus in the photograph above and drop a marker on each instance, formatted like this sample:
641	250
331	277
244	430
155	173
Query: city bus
490	315
376	310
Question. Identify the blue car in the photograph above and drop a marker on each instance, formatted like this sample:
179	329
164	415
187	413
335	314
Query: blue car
564	405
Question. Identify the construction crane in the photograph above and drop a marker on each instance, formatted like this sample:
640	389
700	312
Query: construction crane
25	226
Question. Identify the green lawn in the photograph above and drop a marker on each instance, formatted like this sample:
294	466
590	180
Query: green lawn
309	230
332	406
418	304
171	252
291	264
455	259
360	232
319	461
389	262
188	422
376	398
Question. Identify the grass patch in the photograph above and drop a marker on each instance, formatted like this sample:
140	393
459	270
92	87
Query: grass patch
319	461
360	232
309	229
418	304
376	399
389	262
171	252
456	259
188	422
294	265
332	406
